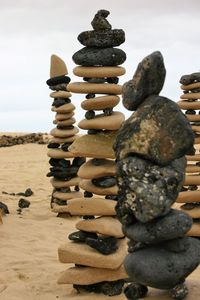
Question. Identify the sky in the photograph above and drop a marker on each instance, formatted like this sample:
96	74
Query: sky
32	30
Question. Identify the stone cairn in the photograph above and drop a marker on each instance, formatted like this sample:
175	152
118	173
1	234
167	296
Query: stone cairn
150	149
191	194
102	247
63	169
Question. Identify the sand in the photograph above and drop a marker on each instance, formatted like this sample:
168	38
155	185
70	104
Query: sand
29	266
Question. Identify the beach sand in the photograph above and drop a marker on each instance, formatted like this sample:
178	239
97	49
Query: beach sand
29	266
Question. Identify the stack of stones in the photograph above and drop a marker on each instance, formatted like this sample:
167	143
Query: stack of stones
63	169
150	149
190	103
99	256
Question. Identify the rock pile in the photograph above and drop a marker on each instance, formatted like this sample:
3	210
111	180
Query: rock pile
190	196
8	140
150	149
99	256
64	166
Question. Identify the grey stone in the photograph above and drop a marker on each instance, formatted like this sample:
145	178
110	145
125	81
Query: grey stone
159	268
148	80
89	56
191	78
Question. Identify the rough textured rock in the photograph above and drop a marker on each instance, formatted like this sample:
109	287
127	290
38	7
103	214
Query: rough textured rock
148	80
105	245
38	138
100	22
189	79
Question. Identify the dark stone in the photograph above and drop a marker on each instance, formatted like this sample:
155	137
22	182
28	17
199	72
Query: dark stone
81	236
135	246
135	291
4	208
64	190
63	173
78	161
65	146
90	114
108	111
94	131
190	206
148	80
157	131
147	191
90	96
102	39
105	182
114	80
105	245
175	224
53	145
99	21
59	87
177	245
192	187
94	80
59	162
58	80
28	192
65	127
179	292
88	217
190	112
23	203
59	202
88	194
183	189
60	101
19	211
191	78
159	268
98	161
77	188
111	197
99	57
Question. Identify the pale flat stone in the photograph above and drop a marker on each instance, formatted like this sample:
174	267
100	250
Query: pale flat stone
66	116
61	183
192	179
63	140
193	213
66	122
195	230
96	88
89	171
99	71
109	226
88	275
192	169
63	133
94	145
88	207
191	96
100	103
112	122
189	105
67	196
65	108
58	67
87	185
59	153
191	86
188	197
87	256
60	94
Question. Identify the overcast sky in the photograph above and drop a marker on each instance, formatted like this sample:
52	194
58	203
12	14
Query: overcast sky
32	30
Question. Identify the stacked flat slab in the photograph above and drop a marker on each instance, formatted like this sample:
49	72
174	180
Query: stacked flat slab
64	166
98	247
190	196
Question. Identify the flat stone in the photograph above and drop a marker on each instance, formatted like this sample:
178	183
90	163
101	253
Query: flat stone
61	184
60	94
67	196
148	80
191	86
67	122
89	170
66	108
146	190
88	207
188	197
112	122
63	140
192	180
152	137
66	116
100	103
183	104
88	275
96	88
59	153
195	230
193	213
160	268
193	118
195	157
86	256
58	67
191	96
175	224
94	145
102	39
98	72
108	226
192	169
63	133
87	185
105	181
99	57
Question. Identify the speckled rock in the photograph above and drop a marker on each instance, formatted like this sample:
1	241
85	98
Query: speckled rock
100	22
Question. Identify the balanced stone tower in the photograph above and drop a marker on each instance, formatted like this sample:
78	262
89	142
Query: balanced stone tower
190	196
63	169
102	247
150	153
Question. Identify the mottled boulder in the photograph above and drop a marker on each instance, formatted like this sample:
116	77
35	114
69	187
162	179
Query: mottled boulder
146	190
175	224
90	56
148	80
102	39
99	22
157	131
160	268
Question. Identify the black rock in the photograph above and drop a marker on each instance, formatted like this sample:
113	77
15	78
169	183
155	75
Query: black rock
148	80
114	80
78	161
59	162
65	127
146	190
28	192
4	208
135	291
53	145
94	80
90	96
63	173
179	292
177	245
99	57
105	182
65	146
58	80
94	131
105	246
192	187
190	112
88	194
81	236
108	111
175	224
77	188
102	39
157	131
190	206
23	203
59	87
191	78
111	197
90	114
60	101
99	21
159	268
